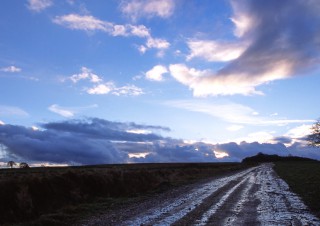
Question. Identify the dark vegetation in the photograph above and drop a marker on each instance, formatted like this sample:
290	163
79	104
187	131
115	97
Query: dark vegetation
314	137
260	158
51	196
303	178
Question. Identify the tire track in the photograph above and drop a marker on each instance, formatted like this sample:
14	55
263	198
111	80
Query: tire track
173	211
227	207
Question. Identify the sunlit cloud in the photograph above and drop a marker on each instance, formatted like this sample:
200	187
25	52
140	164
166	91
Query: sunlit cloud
156	73
214	51
138	155
268	45
220	154
147	8
206	82
39	5
11	69
2	123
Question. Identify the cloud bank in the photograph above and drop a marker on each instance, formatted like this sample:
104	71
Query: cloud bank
97	141
273	40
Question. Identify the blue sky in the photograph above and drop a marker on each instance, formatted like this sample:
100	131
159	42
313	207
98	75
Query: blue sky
199	76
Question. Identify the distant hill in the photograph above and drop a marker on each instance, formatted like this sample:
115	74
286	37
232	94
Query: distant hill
261	157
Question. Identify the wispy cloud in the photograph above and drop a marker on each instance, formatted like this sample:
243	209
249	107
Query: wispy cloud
11	69
61	111
90	24
156	73
232	112
147	8
12	111
272	40
39	5
234	127
69	112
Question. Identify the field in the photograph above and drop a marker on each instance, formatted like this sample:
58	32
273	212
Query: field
56	196
304	179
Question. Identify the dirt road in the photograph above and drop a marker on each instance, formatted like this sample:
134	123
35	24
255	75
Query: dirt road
256	196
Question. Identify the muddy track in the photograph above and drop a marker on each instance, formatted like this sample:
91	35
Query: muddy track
256	196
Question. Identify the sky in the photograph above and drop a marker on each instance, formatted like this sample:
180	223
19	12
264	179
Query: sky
124	81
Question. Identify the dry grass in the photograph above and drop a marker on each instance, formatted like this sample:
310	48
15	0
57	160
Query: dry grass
58	195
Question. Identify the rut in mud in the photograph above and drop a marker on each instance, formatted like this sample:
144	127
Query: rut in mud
256	196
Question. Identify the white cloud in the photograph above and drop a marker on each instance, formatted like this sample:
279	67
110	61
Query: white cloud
11	69
242	19
101	88
299	132
156	73
90	24
61	111
11	110
86	73
215	51
157	43
129	90
2	123
86	23
69	111
148	8
139	31
208	83
110	88
234	127
39	5
260	137
232	112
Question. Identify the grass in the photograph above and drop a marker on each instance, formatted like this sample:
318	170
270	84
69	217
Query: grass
304	179
56	196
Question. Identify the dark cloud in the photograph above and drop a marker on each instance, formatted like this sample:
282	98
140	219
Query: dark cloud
57	147
281	32
98	141
103	129
283	140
